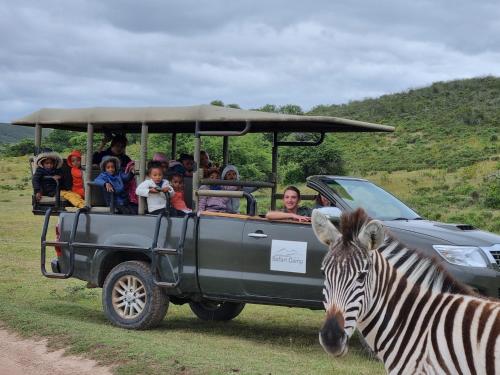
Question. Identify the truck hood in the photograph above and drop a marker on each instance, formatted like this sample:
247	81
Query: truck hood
457	234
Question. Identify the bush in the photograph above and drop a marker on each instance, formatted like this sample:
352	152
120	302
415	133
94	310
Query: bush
301	162
23	147
492	194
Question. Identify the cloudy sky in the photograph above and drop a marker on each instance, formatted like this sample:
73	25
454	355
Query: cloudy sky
78	53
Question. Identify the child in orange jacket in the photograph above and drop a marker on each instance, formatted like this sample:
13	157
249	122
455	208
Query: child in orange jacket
74	191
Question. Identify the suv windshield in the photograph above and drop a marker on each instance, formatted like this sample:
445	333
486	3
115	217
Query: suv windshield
378	203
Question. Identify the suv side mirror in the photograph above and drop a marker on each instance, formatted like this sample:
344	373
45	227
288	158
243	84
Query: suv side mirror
333	213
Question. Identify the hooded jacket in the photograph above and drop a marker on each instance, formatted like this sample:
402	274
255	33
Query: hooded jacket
47	186
116	180
76	174
233	206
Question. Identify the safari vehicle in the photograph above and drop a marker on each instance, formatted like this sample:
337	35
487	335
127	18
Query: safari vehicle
217	262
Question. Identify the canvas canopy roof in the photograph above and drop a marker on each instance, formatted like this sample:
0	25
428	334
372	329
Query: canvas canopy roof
183	120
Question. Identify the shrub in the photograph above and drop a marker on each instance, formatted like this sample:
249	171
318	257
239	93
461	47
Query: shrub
23	147
492	194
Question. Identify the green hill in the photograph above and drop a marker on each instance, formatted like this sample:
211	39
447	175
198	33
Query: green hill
446	125
11	134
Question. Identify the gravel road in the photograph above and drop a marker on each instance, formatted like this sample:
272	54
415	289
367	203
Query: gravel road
20	356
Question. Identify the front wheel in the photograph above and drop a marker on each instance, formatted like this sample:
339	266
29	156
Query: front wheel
217	311
130	299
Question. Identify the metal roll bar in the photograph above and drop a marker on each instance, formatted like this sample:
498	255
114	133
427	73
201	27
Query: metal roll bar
259	184
251	204
44	243
246	129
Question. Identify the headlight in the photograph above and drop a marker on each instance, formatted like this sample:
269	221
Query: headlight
462	255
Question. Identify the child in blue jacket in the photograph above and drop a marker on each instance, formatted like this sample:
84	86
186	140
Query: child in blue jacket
113	181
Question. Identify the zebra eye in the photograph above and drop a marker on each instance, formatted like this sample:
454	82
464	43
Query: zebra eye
361	276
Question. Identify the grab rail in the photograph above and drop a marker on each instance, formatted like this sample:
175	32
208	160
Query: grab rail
246	129
251	203
44	243
155	250
257	184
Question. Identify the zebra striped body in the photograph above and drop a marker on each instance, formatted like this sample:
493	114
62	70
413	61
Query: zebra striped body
414	315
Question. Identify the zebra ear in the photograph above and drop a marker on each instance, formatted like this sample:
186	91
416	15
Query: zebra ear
323	228
372	234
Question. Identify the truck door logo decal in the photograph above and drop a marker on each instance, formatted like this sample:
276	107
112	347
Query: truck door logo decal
288	256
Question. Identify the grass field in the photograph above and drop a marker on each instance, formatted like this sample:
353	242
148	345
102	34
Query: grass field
262	340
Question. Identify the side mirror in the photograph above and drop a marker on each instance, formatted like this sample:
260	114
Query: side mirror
332	213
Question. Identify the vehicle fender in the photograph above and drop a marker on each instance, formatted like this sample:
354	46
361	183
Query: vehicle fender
105	259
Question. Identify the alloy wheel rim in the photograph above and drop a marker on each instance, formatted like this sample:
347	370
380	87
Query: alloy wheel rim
129	297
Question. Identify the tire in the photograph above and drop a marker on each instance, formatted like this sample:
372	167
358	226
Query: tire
216	311
143	306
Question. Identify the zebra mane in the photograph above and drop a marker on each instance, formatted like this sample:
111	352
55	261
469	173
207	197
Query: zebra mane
416	266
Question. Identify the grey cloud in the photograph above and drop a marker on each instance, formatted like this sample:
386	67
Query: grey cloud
252	53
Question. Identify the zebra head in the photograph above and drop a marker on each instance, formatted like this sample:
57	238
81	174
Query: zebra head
347	268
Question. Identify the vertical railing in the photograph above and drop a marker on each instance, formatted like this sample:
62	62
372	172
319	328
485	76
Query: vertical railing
196	171
142	164
88	163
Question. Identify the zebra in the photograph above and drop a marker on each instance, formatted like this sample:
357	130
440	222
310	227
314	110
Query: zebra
414	315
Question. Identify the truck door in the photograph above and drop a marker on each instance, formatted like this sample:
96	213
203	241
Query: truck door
220	257
282	260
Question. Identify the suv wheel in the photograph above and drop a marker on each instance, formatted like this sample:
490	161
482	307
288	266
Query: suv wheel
130	299
218	311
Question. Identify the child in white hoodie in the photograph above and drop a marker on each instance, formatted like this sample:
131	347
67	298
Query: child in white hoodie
154	188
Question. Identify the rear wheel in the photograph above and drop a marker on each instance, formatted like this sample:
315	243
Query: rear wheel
130	299
217	311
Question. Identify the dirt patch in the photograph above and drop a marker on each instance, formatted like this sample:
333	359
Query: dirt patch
20	356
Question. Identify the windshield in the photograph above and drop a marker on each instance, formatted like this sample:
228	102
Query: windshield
378	203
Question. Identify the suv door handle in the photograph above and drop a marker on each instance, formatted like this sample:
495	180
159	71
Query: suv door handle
257	235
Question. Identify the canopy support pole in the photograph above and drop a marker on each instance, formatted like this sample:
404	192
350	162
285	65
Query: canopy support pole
225	151
173	146
142	164
196	170
38	138
88	163
274	171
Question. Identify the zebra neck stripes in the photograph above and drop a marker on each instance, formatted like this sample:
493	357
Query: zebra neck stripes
415	327
414	315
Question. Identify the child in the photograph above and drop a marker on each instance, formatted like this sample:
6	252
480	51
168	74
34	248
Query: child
215	204
48	165
154	187
162	158
183	166
132	184
230	172
73	190
112	180
177	201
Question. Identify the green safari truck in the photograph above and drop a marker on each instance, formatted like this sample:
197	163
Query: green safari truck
218	262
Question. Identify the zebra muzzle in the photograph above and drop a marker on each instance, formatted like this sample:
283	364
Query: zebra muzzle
333	338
